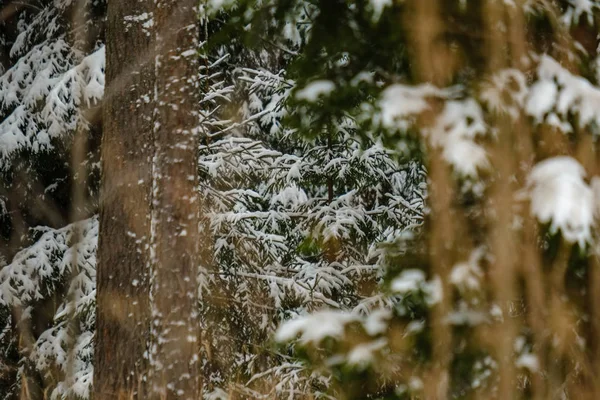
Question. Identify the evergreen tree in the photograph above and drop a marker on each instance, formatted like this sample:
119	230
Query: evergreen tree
483	87
52	81
391	200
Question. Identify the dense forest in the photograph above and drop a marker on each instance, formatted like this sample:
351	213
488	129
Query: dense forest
299	199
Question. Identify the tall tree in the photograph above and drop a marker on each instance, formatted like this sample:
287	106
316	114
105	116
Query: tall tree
127	152
52	77
175	204
494	92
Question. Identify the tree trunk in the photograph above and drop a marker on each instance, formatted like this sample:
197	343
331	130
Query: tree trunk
123	317
175	215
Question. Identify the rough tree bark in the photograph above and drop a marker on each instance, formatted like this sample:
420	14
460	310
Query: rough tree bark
149	214
123	316
175	215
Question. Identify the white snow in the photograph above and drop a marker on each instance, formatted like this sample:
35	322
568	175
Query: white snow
363	354
561	92
399	104
409	280
377	322
290	196
35	274
578	8
313	328
560	195
506	92
454	130
414	281
377	6
541	99
467	275
45	93
528	361
314	90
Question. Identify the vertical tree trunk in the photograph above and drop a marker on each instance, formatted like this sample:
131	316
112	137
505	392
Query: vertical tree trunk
427	27
175	215
502	240
123	317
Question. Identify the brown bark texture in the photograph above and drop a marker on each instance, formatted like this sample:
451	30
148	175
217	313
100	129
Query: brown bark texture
122	320
175	214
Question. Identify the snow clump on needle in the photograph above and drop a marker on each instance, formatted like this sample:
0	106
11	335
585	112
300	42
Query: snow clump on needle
560	196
